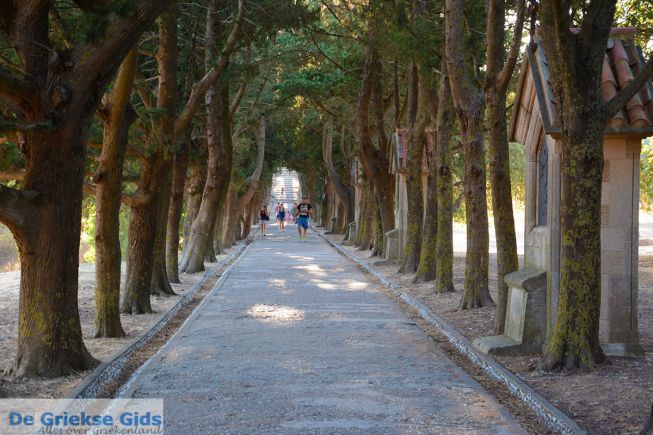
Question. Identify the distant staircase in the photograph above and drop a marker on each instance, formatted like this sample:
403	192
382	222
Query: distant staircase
285	189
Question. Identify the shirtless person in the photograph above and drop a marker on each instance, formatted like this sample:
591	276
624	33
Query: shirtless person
304	211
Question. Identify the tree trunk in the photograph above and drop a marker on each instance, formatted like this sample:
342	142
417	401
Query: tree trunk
416	133
108	180
154	182
180	166
49	331
374	161
194	192
504	222
444	240
217	180
469	102
160	284
364	233
575	339
496	84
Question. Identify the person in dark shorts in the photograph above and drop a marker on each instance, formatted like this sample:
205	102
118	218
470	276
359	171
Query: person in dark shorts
263	217
304	211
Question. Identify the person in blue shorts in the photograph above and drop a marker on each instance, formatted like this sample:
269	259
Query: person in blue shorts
304	211
282	218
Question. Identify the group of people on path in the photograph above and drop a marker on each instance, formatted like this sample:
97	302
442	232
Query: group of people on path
300	213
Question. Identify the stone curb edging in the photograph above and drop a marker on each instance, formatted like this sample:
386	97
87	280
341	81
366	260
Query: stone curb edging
551	416
110	370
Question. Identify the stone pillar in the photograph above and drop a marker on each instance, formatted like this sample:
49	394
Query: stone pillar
618	331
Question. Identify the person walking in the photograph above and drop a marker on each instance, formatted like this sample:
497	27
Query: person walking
304	211
282	218
263	217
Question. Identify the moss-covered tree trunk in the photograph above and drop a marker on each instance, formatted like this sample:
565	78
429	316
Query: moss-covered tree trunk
442	165
364	234
575	339
426	269
179	168
117	115
576	62
415	200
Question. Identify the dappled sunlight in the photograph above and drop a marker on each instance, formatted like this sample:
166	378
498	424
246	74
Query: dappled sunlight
275	313
357	285
313	269
301	257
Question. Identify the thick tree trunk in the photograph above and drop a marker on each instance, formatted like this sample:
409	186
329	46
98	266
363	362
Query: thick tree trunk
180	166
217	181
575	339
469	102
119	115
148	222
49	332
416	132
142	234
444	182
364	234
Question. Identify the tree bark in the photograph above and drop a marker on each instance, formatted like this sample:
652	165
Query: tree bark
442	164
194	191
575	62
426	270
220	163
179	168
416	134
496	85
155	182
469	103
342	189
108	179
374	160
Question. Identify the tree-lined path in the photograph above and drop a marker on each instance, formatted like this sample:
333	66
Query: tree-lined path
296	339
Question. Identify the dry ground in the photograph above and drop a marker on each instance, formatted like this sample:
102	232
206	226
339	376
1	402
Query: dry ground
101	348
615	398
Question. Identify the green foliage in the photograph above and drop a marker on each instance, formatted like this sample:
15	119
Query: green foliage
646	175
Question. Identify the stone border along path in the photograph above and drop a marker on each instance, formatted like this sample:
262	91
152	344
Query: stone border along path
295	339
95	384
551	416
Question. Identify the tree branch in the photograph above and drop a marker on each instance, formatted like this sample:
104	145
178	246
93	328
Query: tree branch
513	53
197	95
16	206
618	101
15	91
253	180
238	98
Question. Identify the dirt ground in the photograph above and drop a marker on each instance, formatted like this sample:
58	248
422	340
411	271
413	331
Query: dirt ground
615	398
101	348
